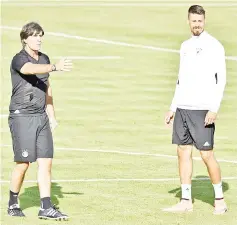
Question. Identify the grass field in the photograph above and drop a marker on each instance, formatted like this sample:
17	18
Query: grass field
114	163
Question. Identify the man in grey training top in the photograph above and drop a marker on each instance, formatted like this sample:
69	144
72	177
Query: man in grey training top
32	118
198	94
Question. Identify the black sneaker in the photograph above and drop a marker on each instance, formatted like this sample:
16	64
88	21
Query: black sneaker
15	210
52	213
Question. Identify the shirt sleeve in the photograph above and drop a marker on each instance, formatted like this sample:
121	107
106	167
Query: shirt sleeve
220	75
19	61
173	105
47	59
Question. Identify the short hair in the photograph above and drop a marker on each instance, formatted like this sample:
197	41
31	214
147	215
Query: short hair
196	9
29	29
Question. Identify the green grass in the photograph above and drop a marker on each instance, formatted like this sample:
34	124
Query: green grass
119	105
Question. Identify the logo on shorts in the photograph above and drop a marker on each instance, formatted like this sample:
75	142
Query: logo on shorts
206	144
17	111
25	153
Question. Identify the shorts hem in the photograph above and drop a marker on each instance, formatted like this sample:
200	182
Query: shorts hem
175	143
24	161
204	149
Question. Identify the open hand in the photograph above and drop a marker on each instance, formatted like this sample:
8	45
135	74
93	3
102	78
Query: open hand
64	65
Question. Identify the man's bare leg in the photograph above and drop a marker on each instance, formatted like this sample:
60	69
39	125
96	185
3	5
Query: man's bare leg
215	176
185	172
44	181
17	179
184	153
47	210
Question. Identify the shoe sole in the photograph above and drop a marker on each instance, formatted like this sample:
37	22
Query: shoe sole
220	212
57	219
22	215
15	216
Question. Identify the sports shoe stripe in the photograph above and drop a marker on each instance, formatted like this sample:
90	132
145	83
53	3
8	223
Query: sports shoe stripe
53	213
50	212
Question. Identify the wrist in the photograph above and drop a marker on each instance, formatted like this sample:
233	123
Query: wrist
172	108
52	119
53	68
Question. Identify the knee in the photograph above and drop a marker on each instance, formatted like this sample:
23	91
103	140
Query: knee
207	156
184	152
44	169
22	166
44	165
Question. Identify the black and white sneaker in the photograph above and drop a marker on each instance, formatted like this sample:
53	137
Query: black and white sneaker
52	213
15	210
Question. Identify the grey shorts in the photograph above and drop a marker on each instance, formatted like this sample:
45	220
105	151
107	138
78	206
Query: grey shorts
189	129
31	137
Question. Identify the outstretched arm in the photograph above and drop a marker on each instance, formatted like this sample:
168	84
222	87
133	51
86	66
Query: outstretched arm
22	64
30	68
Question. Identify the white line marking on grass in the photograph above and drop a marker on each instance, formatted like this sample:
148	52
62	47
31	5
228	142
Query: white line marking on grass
100	40
82	57
234	58
103	180
121	180
128	153
88	57
115	4
3	115
120	1
115	1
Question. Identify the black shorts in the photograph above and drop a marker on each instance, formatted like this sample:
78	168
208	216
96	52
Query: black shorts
31	137
189	129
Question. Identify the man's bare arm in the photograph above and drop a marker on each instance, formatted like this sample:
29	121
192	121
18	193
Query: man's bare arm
30	68
50	108
49	103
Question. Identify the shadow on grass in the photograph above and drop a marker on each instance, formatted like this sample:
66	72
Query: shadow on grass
201	190
31	198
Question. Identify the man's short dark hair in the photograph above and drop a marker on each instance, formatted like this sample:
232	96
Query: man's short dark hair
29	29
196	9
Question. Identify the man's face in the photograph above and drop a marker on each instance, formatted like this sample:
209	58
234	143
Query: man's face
196	23
34	41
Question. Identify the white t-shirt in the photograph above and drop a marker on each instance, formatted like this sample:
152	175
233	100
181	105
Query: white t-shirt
202	74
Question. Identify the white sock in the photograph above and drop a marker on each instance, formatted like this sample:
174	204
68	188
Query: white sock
186	191
218	190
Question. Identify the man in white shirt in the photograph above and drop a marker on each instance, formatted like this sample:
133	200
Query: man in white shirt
199	91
